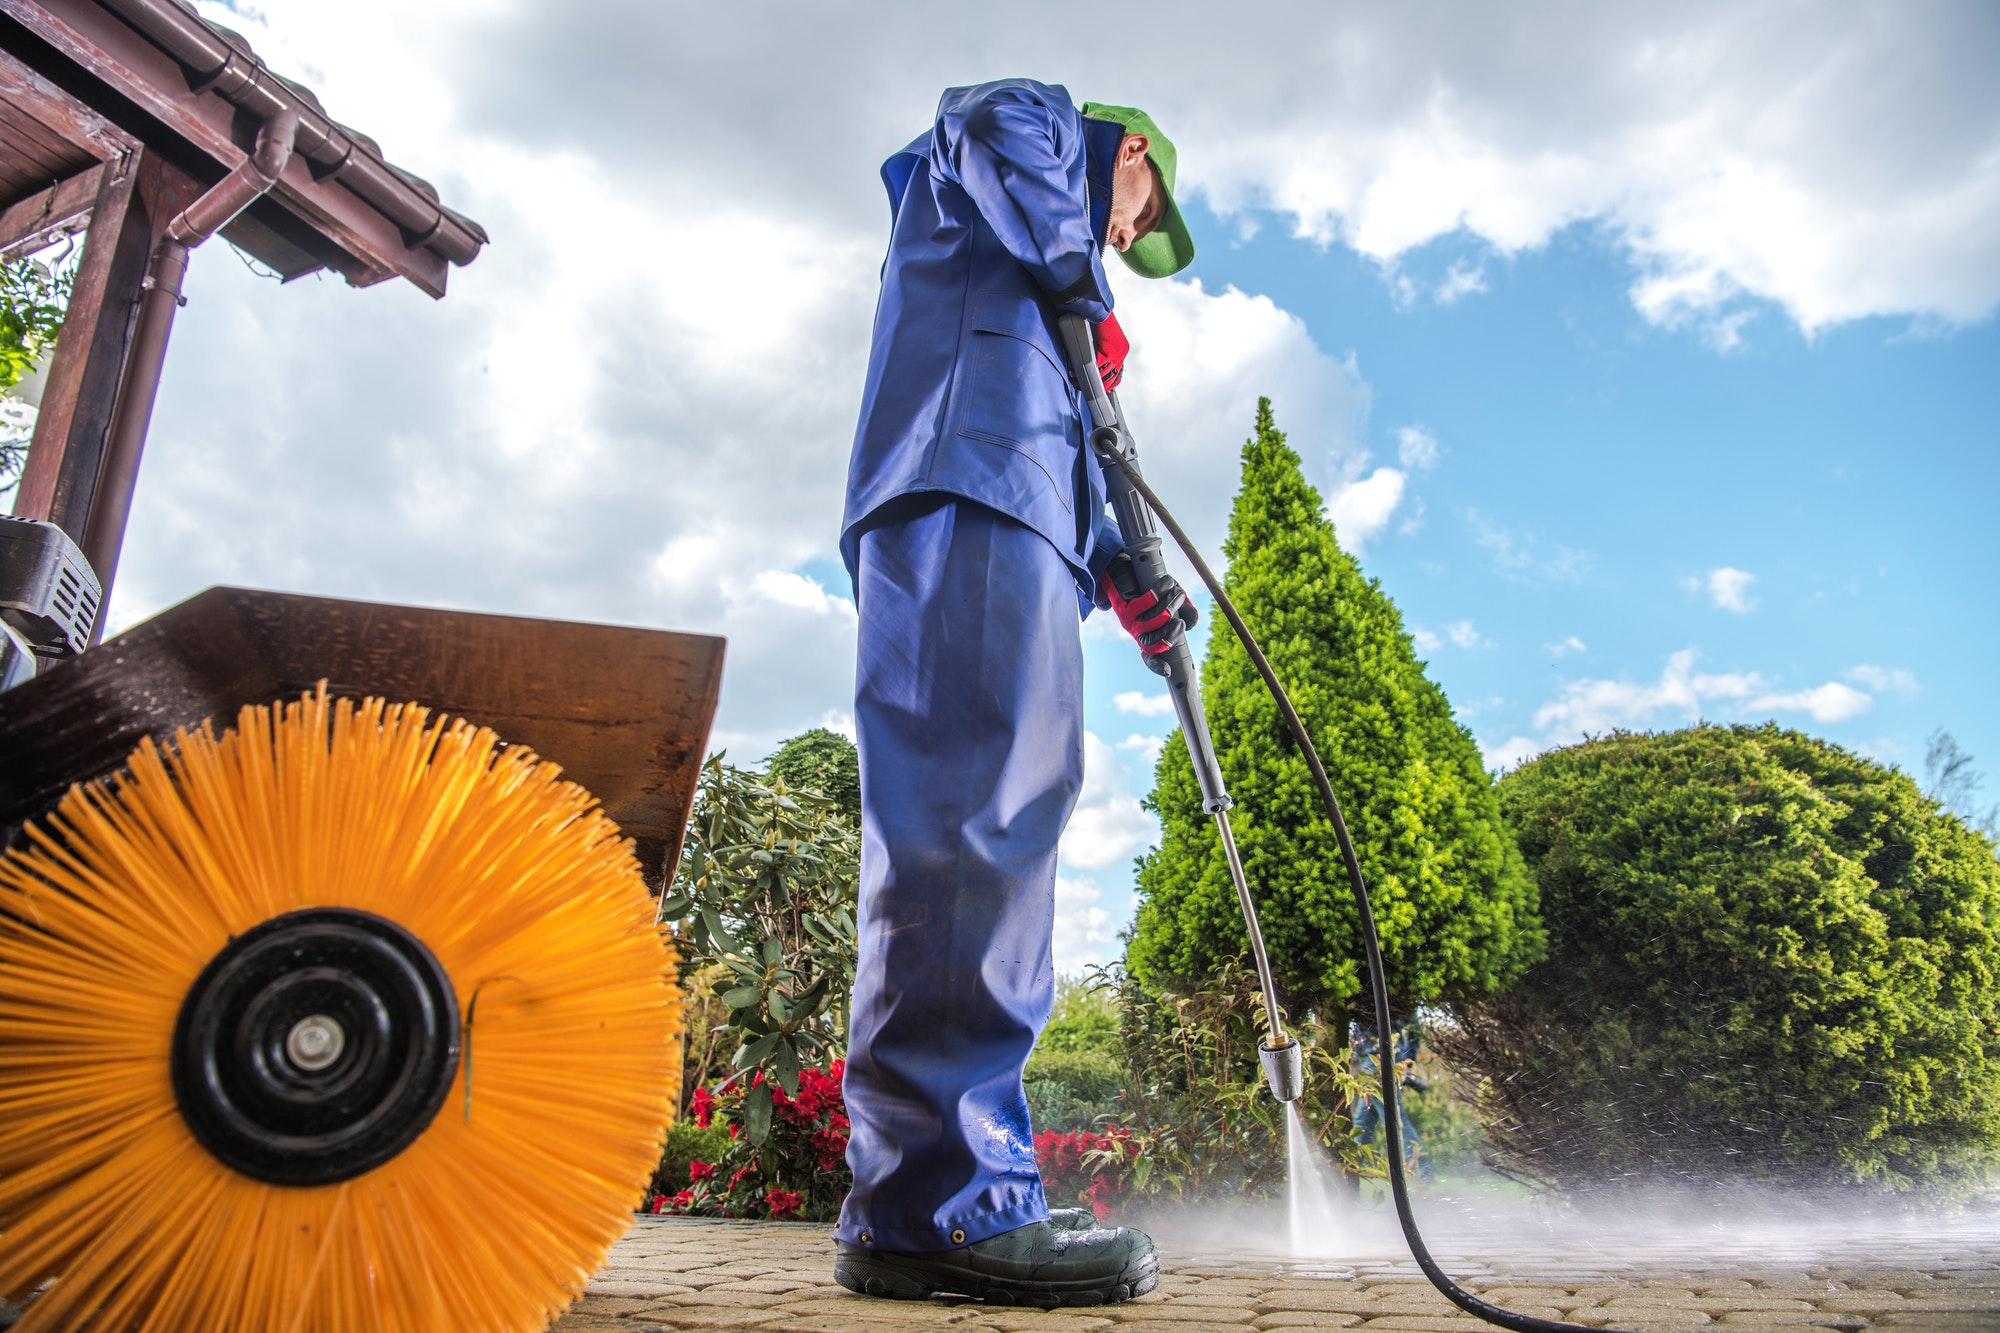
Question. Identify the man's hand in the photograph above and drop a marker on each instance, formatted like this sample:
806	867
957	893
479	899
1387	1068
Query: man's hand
1112	348
1150	617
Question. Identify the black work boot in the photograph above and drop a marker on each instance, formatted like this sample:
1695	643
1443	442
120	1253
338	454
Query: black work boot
1041	1264
1072	1219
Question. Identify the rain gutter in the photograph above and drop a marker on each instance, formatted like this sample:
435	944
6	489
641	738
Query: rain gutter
232	71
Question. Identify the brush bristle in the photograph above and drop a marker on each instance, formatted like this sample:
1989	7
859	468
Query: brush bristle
497	1215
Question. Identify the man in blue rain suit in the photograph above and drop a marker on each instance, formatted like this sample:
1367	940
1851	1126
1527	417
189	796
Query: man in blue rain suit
975	532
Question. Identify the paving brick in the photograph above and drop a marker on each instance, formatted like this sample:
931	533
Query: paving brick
1305	1319
1041	1321
1861	1302
711	1316
675	1274
1624	1313
1131	1312
735	1300
833	1323
636	1287
846	1305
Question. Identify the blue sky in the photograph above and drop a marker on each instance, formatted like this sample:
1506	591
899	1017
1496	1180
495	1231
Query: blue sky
1594	469
1645	354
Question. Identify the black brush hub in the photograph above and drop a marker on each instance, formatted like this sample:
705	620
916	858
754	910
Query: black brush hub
315	1046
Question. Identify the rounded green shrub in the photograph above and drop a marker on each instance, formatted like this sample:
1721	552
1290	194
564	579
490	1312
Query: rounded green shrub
1091	1076
1769	958
825	761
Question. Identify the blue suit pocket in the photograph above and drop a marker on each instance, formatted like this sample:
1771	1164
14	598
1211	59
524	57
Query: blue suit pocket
1017	398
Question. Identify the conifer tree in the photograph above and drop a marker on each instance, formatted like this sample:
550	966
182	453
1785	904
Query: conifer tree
1452	898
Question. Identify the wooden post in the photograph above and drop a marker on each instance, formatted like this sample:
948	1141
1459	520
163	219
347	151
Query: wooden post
59	480
137	195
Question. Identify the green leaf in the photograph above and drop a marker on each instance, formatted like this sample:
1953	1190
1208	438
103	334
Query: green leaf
742	997
754	1052
757	1114
785	1065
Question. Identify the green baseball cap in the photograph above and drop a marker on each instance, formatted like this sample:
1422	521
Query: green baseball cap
1167	248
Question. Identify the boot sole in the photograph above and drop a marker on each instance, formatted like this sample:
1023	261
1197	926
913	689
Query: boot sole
893	1279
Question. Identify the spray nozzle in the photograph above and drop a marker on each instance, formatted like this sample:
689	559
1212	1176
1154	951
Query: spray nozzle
1284	1069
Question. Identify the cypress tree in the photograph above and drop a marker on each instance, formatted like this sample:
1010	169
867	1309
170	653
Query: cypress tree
1453	900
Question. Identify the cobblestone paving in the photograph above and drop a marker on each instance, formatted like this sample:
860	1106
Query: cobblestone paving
671	1274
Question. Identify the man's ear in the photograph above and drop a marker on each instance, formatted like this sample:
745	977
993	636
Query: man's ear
1133	148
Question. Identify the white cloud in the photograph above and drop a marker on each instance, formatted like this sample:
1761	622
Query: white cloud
800	593
1148	748
1681	695
1416	448
1726	587
1426	641
1836	161
1084	931
1109	826
1200	361
1464	634
1831	702
1525	557
1462	280
1886	680
1572	644
1513	751
1145	705
1360	506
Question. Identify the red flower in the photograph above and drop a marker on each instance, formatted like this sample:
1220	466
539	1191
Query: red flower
659	1204
704	1108
738	1178
784	1204
701	1171
685	1199
831	1146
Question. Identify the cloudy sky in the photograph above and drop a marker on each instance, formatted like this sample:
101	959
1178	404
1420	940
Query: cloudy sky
1637	349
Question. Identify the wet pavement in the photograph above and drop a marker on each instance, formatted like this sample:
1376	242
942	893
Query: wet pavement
680	1273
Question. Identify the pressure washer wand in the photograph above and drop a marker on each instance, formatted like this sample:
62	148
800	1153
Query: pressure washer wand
1281	1056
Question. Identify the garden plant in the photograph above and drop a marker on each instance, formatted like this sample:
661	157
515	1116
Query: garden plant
1770	958
1453	901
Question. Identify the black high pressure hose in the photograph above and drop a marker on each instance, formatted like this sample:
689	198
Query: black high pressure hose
1113	445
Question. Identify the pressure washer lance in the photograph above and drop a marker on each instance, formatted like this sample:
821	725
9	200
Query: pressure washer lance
1281	1056
1135	504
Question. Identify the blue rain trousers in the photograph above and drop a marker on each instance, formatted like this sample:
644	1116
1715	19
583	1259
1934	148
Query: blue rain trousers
969	715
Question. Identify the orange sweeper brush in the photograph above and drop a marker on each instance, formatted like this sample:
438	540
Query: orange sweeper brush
346	1020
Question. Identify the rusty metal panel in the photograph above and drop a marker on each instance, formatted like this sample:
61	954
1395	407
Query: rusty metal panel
98	42
625	712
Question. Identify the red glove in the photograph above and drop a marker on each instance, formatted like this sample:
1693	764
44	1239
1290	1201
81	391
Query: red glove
1150	617
1112	348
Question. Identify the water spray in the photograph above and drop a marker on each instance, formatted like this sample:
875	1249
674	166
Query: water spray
1135	504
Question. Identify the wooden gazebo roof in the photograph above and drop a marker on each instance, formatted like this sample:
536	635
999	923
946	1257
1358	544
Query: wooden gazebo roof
117	115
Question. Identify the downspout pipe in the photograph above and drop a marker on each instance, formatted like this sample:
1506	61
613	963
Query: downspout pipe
104	535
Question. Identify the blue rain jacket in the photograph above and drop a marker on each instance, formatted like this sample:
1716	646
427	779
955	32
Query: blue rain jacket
1000	214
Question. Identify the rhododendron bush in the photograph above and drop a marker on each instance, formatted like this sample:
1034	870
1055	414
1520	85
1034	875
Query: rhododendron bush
1083	1169
798	1173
